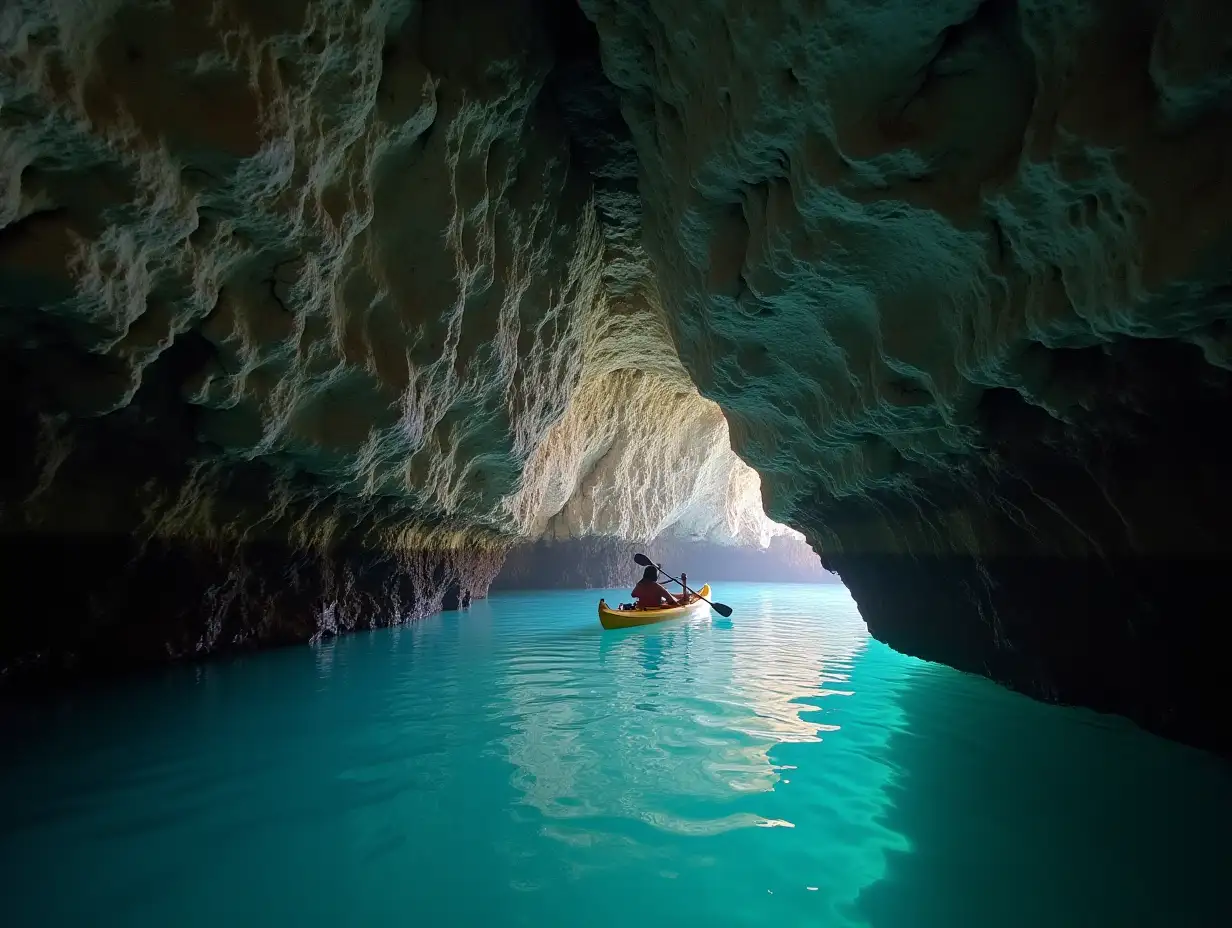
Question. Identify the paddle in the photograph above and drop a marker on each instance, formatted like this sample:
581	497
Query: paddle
720	608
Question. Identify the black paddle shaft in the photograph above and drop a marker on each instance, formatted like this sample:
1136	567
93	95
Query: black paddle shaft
720	608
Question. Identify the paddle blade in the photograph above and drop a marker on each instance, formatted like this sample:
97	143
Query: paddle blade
722	609
643	560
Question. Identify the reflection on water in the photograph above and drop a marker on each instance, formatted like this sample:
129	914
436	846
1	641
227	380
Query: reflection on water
685	711
680	729
515	765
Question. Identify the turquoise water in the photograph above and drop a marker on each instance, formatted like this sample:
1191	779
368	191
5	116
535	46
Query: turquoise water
514	765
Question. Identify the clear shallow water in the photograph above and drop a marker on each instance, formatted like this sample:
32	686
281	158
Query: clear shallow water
515	765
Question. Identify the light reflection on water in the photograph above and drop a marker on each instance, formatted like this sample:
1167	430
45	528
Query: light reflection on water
516	765
682	715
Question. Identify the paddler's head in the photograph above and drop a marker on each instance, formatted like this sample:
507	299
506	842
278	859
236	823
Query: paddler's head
650	574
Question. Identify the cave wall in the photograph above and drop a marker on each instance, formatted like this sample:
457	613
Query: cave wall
959	276
1102	577
290	293
312	286
120	555
639	454
356	225
352	285
103	605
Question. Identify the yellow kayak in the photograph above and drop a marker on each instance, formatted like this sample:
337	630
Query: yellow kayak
629	618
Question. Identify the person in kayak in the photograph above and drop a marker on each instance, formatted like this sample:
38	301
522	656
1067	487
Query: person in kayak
649	593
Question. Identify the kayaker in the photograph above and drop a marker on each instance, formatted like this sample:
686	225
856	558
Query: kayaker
649	593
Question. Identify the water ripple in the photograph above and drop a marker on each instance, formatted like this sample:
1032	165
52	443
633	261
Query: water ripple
685	713
515	765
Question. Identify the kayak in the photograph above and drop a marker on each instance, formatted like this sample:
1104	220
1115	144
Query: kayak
630	618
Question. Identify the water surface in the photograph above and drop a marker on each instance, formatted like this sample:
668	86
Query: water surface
515	765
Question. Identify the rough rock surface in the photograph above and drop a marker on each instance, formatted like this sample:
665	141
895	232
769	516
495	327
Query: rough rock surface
354	279
958	274
341	280
355	231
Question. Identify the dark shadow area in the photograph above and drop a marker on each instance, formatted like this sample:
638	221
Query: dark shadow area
1098	556
1022	814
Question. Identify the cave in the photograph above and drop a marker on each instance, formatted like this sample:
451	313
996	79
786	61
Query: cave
313	315
324	317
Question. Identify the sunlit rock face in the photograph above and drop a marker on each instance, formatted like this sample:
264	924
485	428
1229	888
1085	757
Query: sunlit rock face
639	455
958	274
321	289
352	287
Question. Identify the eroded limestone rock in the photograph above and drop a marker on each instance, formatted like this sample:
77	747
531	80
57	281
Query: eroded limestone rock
329	278
958	274
358	212
412	277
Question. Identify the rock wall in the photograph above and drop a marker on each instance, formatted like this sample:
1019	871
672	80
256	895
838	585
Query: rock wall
291	291
119	555
322	282
333	283
104	605
639	455
958	275
353	226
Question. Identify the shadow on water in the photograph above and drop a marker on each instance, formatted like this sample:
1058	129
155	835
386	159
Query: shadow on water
1022	814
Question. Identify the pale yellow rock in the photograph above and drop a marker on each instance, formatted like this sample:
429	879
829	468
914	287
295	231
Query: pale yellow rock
362	225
